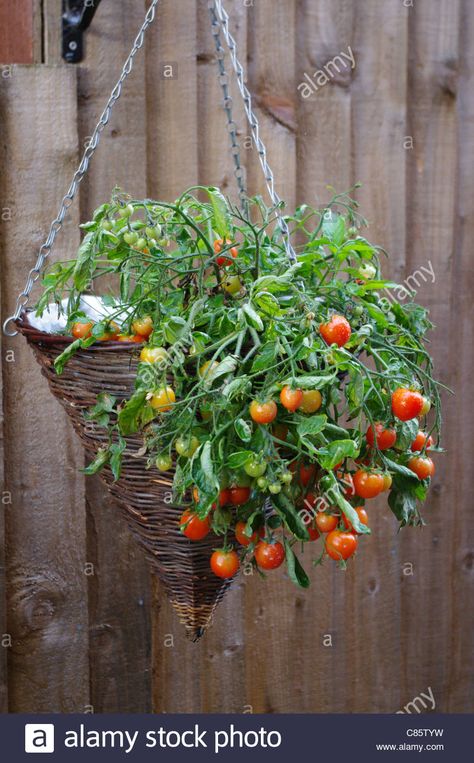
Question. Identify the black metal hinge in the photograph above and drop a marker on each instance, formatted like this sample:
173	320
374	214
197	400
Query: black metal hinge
76	18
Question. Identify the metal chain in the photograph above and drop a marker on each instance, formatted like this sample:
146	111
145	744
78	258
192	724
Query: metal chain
239	171
68	199
223	21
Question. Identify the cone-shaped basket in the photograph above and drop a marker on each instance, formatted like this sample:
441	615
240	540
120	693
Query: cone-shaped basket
143	494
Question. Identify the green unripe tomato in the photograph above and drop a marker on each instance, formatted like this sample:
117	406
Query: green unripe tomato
186	446
164	462
262	483
130	237
154	232
255	468
126	211
352	231
358	310
274	487
286	478
141	243
106	224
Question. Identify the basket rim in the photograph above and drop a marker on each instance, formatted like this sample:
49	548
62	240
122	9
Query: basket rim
35	335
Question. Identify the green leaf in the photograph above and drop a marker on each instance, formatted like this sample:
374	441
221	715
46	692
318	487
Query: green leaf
296	572
102	457
267	303
310	382
174	328
265	356
220	212
243	429
335	496
397	468
236	387
84	266
406	434
206	464
70	350
129	416
238	459
252	317
336	451
311	426
117	449
290	515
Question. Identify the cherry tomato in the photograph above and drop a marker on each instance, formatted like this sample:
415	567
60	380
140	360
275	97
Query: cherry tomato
263	413
269	556
340	545
385	438
131	338
224	497
423	466
280	431
207	369
426	406
112	333
274	488
326	522
313	532
307	472
363	519
336	331
162	399
239	494
367	271
186	446
387	481
243	539
82	330
193	527
368	484
421	440
311	401
255	468
406	404
291	399
224	563
218	245
153	354
232	285
143	326
164	462
349	489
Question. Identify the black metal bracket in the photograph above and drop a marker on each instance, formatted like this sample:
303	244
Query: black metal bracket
76	18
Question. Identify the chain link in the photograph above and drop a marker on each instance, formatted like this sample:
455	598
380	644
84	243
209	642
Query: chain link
223	20
239	170
68	199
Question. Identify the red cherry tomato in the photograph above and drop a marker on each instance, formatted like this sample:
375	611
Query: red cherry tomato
224	497
244	539
307	472
422	466
336	331
363	519
218	245
269	556
290	398
313	532
420	441
368	484
326	522
193	527
263	413
340	545
239	495
407	403
82	330
224	563
385	438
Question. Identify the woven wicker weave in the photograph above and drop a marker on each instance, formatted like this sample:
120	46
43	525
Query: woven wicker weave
143	494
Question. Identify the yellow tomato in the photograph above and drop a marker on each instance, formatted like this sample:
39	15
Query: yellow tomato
163	399
232	285
312	400
153	354
207	369
142	326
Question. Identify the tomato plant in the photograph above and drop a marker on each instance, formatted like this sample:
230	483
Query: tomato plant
265	388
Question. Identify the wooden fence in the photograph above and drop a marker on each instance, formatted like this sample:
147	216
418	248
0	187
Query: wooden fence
82	627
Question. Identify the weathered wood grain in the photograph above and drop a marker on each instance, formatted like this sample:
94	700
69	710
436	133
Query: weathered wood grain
119	589
45	522
432	166
17	38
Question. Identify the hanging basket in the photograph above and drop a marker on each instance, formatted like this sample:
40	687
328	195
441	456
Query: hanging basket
143	495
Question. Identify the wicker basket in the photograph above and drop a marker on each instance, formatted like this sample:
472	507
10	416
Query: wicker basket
143	494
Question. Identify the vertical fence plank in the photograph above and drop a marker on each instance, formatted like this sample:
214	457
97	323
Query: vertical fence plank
432	176
460	697
172	140
47	604
119	590
17	44
325	29
370	619
5	215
